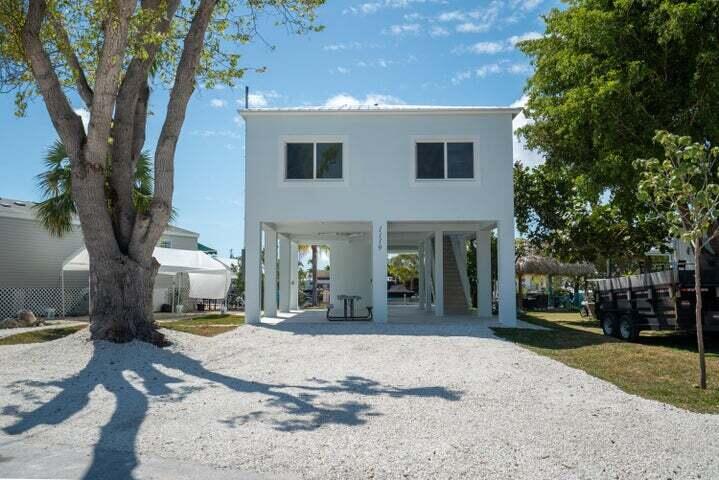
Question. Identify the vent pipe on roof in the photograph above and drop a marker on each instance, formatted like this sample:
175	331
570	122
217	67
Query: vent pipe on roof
247	97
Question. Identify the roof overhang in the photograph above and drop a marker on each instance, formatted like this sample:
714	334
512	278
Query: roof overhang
379	110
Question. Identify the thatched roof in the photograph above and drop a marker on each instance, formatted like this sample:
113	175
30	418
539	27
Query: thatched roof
538	265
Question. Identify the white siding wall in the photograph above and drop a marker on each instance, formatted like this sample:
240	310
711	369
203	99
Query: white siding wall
30	257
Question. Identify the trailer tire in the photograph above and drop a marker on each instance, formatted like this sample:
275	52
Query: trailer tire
626	329
609	324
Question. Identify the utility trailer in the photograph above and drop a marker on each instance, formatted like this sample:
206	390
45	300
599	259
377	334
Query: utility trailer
662	300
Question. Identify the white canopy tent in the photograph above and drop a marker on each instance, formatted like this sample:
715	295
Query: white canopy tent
209	278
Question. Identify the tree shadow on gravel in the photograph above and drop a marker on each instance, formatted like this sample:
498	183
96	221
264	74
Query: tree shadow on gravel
288	407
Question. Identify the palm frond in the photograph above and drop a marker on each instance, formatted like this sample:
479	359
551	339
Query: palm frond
57	209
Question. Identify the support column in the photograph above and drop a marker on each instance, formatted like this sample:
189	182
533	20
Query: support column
270	296
505	273
379	270
484	273
422	279
284	274
253	243
428	282
294	280
439	272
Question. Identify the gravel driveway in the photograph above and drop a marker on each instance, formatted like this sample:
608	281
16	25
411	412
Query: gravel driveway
333	401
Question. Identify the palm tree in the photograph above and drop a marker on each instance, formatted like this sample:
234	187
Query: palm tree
315	249
57	209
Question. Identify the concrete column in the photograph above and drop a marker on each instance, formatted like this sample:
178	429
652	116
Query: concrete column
505	273
484	273
379	270
294	279
270	297
428	274
285	261
439	272
422	279
253	243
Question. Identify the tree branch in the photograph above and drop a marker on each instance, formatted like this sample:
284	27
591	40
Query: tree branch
128	130
161	205
66	122
83	87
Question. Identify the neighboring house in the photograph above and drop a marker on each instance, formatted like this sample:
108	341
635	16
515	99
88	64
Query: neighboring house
208	250
370	181
31	261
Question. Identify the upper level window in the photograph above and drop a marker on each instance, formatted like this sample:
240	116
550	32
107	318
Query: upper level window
313	161
441	160
165	243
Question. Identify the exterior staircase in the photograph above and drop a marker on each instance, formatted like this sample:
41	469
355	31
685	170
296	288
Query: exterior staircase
455	303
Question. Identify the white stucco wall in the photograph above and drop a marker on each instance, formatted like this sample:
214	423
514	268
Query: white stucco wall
350	273
379	161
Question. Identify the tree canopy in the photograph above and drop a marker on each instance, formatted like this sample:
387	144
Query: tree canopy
108	54
608	74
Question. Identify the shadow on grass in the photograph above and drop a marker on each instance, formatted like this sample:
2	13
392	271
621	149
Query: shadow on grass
288	407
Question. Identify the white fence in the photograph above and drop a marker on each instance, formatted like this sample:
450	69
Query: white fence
38	300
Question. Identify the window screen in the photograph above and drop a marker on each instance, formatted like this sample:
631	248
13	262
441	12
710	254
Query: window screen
430	160
299	161
460	160
329	160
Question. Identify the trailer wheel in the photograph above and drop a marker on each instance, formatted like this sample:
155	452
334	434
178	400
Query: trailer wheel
609	324
627	330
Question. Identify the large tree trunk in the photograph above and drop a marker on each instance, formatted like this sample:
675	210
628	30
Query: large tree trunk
698	314
121	300
314	276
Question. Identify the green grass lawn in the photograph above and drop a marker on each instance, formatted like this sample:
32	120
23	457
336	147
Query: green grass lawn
206	325
39	336
660	365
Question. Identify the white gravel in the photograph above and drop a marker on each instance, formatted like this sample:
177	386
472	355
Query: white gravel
342	401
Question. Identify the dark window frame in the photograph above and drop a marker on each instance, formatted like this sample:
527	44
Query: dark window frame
445	143
314	177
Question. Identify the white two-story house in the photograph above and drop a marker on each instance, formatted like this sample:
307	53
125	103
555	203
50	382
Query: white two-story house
371	181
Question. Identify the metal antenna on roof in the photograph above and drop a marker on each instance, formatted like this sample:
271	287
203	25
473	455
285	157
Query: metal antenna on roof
247	97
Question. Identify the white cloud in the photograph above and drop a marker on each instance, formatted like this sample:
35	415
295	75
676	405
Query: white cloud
515	39
217	133
372	99
340	70
519	69
521	153
469	27
218	103
437	31
260	98
502	67
340	47
497	46
489	48
404	28
369	8
453	16
489	69
526	5
460	77
84	116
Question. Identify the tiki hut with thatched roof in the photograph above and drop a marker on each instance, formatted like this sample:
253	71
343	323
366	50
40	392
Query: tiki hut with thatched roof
540	265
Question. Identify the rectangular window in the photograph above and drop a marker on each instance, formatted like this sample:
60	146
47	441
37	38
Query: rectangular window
460	160
165	243
443	160
299	161
313	161
430	160
329	160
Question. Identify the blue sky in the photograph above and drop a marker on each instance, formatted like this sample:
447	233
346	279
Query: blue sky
438	52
